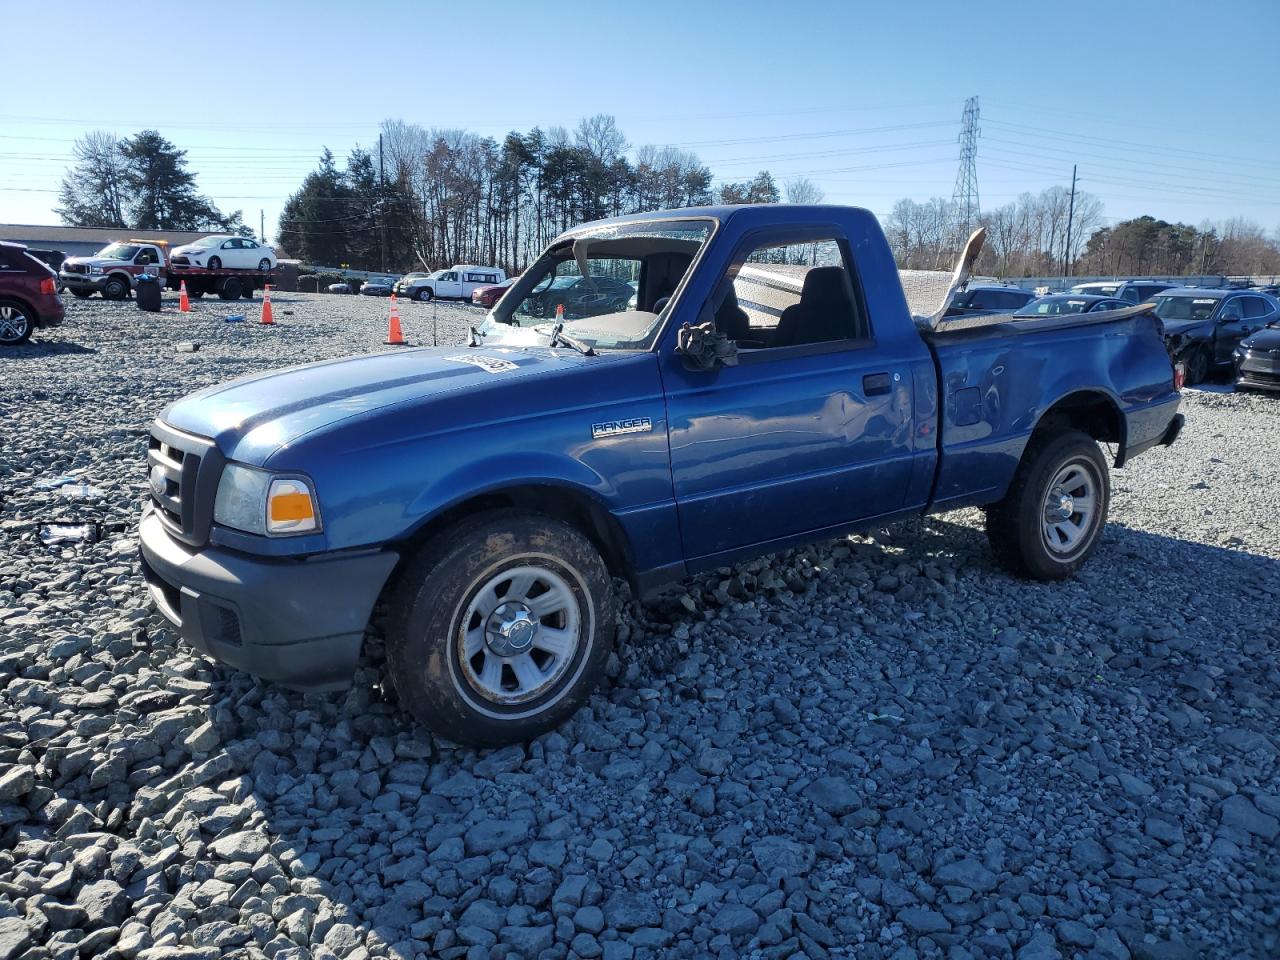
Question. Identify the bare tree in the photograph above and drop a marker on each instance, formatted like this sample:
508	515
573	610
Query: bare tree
93	192
804	190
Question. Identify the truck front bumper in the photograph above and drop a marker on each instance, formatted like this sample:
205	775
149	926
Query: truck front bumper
84	282
299	622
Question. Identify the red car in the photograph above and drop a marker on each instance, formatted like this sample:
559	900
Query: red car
487	296
28	295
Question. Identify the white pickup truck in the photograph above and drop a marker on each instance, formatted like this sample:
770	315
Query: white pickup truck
456	283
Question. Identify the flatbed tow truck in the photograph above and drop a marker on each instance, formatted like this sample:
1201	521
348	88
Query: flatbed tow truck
114	270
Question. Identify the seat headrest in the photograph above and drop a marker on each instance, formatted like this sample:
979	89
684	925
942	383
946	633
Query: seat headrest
825	284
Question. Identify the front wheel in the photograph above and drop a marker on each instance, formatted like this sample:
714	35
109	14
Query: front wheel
425	295
82	294
16	323
115	289
1050	520
215	263
264	264
501	628
1197	361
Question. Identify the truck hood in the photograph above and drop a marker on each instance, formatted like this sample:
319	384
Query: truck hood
98	262
253	417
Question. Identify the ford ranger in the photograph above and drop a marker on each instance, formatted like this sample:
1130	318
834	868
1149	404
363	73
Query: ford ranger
770	386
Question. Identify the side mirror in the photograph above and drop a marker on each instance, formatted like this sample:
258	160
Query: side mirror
704	348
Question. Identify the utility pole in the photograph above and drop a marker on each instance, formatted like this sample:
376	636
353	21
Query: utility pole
965	196
1071	214
262	225
382	204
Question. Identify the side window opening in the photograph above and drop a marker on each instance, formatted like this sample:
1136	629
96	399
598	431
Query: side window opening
790	294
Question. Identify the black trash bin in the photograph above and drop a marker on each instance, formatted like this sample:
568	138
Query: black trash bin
148	293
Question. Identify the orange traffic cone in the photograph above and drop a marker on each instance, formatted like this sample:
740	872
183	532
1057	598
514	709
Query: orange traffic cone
184	304
394	337
266	320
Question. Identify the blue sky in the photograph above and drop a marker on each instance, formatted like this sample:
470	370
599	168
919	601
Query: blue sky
1169	108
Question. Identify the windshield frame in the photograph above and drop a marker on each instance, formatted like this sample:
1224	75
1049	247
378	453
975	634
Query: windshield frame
654	337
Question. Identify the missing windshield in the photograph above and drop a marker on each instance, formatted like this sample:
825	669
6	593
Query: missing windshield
607	285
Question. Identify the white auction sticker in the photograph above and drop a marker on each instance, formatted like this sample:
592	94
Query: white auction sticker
487	364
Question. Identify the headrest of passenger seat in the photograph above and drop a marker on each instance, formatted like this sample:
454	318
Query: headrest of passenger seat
826	285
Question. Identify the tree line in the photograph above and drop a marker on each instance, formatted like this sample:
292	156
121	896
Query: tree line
438	197
139	182
433	197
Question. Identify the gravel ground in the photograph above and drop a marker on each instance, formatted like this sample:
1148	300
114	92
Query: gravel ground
877	747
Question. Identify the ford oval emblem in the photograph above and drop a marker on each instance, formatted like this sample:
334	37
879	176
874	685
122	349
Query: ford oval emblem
158	481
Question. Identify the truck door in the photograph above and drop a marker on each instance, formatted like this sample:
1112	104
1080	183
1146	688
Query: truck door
813	427
449	284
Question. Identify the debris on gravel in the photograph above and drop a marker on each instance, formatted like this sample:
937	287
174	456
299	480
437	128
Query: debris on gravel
880	746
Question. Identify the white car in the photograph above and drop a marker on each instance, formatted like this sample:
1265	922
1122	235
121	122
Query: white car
218	253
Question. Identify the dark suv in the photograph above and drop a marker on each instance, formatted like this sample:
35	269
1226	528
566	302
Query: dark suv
28	295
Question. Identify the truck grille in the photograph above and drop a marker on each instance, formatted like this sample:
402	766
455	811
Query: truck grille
75	268
183	472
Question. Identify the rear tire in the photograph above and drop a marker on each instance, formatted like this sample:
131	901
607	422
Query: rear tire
501	628
1056	508
17	323
425	295
230	289
115	289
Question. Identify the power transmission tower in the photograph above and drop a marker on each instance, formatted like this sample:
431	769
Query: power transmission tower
965	196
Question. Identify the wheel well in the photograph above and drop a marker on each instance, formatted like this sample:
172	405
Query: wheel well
579	510
119	275
1090	412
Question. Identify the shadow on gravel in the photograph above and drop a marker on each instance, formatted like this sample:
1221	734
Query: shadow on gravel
37	347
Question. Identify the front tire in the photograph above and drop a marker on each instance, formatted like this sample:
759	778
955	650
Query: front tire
215	263
17	323
115	289
425	295
501	628
264	264
82	294
1198	364
1053	515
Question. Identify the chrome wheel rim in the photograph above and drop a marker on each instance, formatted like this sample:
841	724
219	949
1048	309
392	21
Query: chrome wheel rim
14	324
519	635
1070	508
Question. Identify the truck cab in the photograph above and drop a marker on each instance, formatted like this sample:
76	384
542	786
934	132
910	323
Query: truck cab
114	269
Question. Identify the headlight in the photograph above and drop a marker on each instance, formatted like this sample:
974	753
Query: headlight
258	502
95	269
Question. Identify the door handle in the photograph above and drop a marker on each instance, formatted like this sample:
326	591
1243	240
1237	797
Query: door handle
876	384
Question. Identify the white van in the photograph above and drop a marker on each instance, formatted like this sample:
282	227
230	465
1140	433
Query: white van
458	282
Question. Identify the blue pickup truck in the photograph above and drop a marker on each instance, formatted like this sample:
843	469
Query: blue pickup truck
766	385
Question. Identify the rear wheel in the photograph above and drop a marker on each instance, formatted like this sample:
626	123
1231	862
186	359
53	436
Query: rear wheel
1050	520
230	289
115	289
501	628
215	263
425	294
16	323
